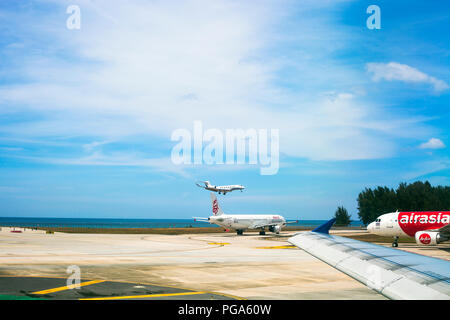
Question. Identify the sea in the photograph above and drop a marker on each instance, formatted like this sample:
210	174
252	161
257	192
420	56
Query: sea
127	223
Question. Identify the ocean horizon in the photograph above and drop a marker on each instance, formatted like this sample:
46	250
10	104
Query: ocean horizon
125	223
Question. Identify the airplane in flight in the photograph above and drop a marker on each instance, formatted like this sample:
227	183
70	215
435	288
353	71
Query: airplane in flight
394	273
427	227
241	222
220	189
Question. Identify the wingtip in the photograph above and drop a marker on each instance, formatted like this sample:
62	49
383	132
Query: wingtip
325	228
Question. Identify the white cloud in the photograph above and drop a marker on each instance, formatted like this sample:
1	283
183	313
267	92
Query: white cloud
402	72
427	168
117	159
148	68
89	147
433	143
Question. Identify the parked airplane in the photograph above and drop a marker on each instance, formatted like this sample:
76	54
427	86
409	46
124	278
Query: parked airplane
219	189
427	227
241	222
396	274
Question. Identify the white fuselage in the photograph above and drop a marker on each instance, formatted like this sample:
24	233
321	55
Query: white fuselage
224	188
387	225
241	222
407	224
246	221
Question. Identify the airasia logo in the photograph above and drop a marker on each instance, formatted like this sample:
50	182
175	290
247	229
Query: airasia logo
413	222
215	207
425	238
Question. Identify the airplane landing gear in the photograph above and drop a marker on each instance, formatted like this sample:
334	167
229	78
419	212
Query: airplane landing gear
262	232
239	232
395	243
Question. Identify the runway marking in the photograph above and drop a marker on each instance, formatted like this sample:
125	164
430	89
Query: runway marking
278	247
219	243
72	286
227	295
148	296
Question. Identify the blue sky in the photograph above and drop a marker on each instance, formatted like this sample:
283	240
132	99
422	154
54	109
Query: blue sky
86	115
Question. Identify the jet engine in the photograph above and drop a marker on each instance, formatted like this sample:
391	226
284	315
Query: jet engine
428	238
275	229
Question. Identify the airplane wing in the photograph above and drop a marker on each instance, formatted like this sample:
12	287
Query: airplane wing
445	230
258	225
199	184
394	273
201	219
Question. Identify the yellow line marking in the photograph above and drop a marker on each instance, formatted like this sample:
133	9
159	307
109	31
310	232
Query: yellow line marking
147	296
227	295
72	286
146	283
218	243
277	247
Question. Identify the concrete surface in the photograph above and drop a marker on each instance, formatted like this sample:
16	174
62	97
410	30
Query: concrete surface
248	266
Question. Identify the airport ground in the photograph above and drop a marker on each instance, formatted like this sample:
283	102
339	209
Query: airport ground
217	265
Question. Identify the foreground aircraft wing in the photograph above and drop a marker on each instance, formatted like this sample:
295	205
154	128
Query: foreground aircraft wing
394	273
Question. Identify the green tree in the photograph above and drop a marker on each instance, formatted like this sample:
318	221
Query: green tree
342	217
417	196
372	203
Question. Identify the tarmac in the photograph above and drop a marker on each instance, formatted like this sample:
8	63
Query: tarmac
36	265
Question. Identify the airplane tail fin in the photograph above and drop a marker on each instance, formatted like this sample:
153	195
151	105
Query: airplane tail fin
215	205
325	227
203	184
199	184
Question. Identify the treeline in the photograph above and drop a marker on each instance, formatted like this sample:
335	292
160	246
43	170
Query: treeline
342	217
417	196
